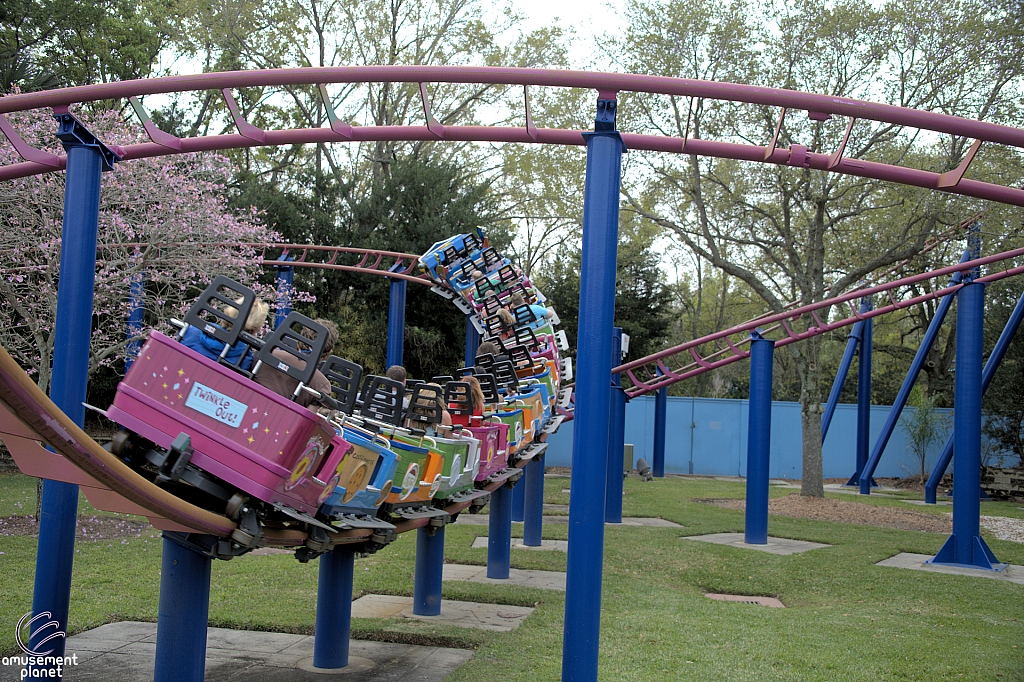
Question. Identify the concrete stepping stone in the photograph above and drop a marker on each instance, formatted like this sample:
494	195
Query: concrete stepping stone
464	614
544	580
782	546
517	543
916	562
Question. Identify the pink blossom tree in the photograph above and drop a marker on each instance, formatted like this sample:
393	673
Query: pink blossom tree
163	221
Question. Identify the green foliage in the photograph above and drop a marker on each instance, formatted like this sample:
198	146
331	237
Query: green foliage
1003	402
923	425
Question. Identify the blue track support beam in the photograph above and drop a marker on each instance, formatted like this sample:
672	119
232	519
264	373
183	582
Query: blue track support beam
396	323
863	400
853	340
285	287
499	534
991	365
87	157
183	614
616	438
908	383
334	609
582	631
519	501
136	312
533	526
660	409
472	342
426	587
759	425
965	547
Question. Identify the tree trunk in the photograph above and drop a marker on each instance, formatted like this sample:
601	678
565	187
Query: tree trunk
811	484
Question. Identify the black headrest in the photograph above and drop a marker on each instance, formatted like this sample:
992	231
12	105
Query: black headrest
489	387
456	394
505	374
210	314
305	351
424	405
382	400
344	376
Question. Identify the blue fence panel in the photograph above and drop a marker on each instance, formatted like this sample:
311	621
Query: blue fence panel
708	436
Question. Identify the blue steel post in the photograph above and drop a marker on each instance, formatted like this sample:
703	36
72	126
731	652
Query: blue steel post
426	586
334	608
499	534
472	342
991	365
533	527
582	631
87	157
285	287
519	501
853	340
136	310
183	614
965	547
759	425
616	437
908	383
396	323
863	399
660	409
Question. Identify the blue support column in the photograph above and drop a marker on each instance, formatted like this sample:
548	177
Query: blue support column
853	340
472	342
183	614
334	609
87	157
991	365
519	501
533	527
908	383
499	534
616	437
660	408
285	287
582	631
136	311
426	587
965	547
863	400
396	323
759	425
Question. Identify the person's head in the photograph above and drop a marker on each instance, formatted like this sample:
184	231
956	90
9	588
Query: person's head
507	318
257	316
397	373
476	275
476	394
487	348
332	335
518	300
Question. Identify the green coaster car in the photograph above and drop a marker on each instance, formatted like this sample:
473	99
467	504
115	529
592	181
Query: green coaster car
461	454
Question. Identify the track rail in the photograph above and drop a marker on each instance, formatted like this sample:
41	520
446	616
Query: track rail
685	360
36	161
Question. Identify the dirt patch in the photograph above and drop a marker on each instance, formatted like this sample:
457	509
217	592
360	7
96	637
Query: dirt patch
825	509
89	529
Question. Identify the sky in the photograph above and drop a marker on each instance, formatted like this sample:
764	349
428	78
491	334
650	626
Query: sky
586	19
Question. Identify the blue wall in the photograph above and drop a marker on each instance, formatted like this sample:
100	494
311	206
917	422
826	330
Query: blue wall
716	443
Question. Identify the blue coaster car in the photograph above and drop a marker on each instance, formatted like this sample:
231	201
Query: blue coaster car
448	252
350	497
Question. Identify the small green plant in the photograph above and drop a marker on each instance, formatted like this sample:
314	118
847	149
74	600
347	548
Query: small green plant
923	425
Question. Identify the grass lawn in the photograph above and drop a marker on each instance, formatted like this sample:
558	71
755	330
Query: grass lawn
846	619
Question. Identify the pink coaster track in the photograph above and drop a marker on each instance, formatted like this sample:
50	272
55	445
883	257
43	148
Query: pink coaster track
685	360
607	85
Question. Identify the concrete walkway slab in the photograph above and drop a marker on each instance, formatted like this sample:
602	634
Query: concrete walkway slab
126	652
557	508
463	614
517	543
783	546
545	580
922	503
647	522
916	562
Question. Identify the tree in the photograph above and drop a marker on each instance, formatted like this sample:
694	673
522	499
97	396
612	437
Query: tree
163	221
799	235
923	426
1003	402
